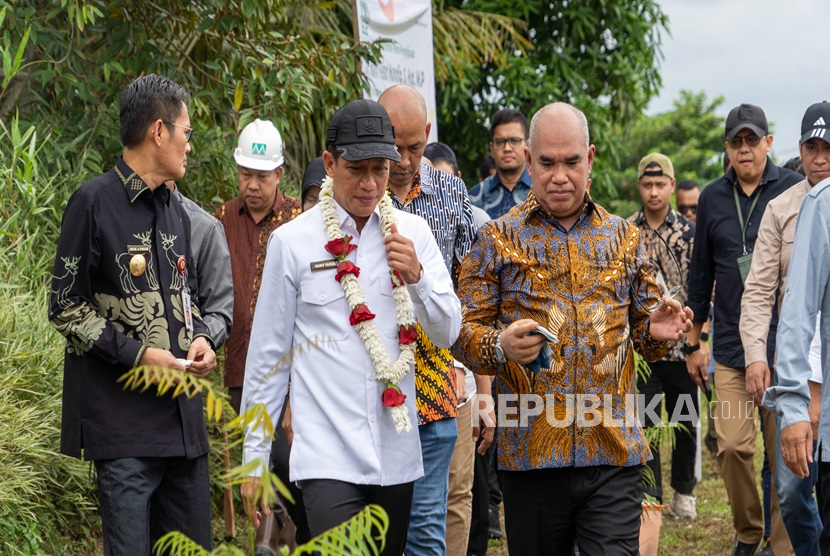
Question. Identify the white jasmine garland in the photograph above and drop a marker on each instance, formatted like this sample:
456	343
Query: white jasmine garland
387	371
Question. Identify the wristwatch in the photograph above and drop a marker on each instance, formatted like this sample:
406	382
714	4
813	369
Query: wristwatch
688	348
500	358
704	336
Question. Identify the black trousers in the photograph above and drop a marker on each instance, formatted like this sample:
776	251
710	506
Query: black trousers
670	378
546	510
142	499
328	503
480	522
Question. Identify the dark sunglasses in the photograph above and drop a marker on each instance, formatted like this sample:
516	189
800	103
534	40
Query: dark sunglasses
683	209
751	141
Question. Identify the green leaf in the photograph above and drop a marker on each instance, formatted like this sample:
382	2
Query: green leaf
237	96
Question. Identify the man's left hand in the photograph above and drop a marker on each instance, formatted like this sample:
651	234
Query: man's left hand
797	448
203	357
401	255
671	321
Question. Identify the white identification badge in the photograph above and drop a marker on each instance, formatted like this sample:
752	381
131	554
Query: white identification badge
188	315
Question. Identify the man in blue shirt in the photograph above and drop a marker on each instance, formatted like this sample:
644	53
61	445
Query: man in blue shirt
806	295
508	187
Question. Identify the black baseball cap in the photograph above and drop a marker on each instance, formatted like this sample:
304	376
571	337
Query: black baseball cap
815	123
361	130
746	116
314	174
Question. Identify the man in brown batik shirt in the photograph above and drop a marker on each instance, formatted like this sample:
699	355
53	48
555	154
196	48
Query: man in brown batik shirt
668	238
249	220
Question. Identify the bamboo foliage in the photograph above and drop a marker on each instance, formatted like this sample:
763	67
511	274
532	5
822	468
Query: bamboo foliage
363	534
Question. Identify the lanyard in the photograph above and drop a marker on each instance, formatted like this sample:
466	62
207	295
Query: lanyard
748	216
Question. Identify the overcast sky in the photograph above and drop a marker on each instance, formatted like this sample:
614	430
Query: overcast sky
764	52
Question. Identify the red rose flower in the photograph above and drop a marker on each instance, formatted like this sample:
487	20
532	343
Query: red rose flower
397	279
340	247
360	313
346	267
392	396
407	334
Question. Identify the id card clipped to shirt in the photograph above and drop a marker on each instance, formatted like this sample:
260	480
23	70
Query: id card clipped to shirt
188	314
745	260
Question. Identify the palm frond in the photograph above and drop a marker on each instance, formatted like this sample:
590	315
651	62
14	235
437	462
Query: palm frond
365	534
464	37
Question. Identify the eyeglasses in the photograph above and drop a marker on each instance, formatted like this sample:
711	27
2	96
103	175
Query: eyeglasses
751	141
187	133
501	142
683	209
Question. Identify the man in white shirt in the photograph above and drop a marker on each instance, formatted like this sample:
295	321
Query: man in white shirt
353	440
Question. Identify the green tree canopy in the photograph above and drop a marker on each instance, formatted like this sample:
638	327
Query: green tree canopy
600	55
690	134
286	61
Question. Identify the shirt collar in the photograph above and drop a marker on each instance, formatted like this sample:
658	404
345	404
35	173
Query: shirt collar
278	200
494	181
427	177
531	206
671	217
422	182
347	223
132	182
770	173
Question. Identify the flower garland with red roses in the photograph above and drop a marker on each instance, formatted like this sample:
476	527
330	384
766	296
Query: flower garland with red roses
388	371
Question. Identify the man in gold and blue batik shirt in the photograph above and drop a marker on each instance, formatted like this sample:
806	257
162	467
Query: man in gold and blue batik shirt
569	450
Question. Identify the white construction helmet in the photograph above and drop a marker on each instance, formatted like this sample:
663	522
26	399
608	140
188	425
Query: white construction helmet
260	146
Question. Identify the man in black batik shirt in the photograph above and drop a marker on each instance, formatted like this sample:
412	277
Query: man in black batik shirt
122	296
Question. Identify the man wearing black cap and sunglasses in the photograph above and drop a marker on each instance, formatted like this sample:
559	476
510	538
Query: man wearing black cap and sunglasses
769	273
355	273
728	218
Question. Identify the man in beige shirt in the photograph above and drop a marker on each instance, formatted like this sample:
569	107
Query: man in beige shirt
767	275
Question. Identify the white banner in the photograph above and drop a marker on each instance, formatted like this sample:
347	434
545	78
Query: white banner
409	59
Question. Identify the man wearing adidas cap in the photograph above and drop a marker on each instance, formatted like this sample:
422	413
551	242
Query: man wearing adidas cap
769	273
728	217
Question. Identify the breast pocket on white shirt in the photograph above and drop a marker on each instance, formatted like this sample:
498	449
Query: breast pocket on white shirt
324	305
386	292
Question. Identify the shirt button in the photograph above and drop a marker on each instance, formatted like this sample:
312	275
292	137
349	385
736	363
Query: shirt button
322	297
421	291
372	419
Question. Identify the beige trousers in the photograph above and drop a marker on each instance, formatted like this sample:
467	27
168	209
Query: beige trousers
734	416
460	498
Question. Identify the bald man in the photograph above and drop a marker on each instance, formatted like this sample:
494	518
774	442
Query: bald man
569	454
441	200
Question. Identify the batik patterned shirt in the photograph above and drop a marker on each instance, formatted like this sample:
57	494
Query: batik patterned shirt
248	242
440	199
492	196
671	267
590	286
